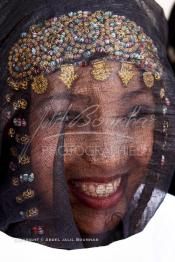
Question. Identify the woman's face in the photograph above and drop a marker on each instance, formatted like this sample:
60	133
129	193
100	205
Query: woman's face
108	143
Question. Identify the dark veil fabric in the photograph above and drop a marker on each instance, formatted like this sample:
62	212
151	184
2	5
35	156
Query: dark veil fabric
22	220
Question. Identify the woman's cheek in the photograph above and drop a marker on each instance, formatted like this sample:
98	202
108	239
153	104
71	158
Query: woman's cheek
43	148
143	142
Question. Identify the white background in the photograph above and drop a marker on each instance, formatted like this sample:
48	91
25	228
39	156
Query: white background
167	5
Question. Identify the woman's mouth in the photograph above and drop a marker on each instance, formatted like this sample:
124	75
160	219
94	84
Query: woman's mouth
98	195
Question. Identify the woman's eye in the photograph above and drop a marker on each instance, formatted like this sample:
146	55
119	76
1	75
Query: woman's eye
72	116
139	112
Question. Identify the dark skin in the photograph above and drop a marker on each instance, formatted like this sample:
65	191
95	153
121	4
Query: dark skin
102	103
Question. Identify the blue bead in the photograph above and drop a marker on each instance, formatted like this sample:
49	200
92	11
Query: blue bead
33	51
17	68
70	14
87	54
23	34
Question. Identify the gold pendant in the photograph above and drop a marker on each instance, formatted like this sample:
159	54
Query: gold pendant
126	73
29	193
162	93
23	159
32	212
22	85
15	181
148	79
40	84
68	75
11	132
100	70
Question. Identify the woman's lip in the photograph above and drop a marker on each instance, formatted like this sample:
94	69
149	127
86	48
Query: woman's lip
97	179
102	202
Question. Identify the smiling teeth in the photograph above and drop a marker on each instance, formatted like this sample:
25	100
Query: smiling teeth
97	189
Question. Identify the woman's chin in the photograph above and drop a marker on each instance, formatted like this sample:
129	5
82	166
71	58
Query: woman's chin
96	222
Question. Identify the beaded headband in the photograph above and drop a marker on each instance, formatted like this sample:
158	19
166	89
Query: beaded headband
60	43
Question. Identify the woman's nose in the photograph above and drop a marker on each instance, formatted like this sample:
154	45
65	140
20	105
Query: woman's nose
105	143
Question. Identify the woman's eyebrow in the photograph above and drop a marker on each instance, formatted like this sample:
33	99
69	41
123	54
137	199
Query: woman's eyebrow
127	96
60	96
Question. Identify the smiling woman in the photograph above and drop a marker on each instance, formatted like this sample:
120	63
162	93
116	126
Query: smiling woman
104	162
87	125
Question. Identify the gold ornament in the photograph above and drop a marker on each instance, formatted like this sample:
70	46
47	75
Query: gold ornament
19	199
165	126
148	79
32	212
40	84
157	76
23	159
13	151
22	139
11	132
162	93
68	75
8	98
15	181
22	85
29	193
22	103
100	70
126	73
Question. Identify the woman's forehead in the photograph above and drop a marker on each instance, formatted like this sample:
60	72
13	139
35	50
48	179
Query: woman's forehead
87	90
86	81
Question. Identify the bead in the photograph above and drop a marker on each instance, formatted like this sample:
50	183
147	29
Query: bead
28	194
165	109
22	85
22	103
32	212
165	126
13	151
22	139
167	101
148	79
11	132
24	178
162	160
19	122
15	181
8	98
12	166
40	84
38	230
162	93
23	159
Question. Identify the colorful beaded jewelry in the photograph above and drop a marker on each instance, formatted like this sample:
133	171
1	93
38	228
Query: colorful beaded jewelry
165	124
60	43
